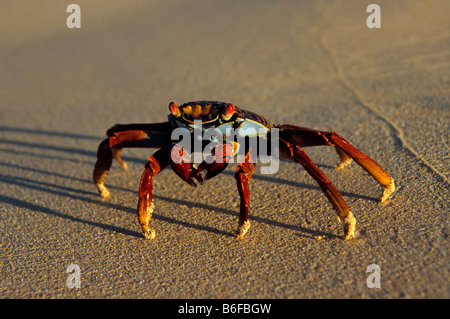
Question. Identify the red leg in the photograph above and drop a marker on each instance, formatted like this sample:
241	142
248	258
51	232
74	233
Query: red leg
157	162
112	148
243	174
303	137
298	155
365	162
121	136
102	166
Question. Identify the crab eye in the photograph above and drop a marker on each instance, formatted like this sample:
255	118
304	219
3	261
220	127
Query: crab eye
174	109
228	112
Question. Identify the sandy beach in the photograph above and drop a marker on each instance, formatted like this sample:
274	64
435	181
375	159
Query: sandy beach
314	64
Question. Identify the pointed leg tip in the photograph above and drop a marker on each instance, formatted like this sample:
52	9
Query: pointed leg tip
343	163
349	237
242	230
349	226
388	191
104	192
149	234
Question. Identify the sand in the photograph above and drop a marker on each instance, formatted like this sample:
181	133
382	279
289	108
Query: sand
309	63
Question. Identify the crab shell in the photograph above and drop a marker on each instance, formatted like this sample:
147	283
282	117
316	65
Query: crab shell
220	115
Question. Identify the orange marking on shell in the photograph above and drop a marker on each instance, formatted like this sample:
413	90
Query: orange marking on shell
206	109
187	110
196	111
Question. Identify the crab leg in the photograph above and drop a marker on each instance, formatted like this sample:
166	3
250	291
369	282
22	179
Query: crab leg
243	174
298	155
365	162
121	136
156	163
304	137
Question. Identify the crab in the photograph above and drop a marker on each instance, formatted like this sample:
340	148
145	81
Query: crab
221	116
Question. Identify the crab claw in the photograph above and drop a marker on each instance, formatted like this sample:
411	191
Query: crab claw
179	155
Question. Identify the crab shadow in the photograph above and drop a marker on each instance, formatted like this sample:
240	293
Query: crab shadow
38	150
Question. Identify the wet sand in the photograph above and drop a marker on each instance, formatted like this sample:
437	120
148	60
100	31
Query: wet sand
314	64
